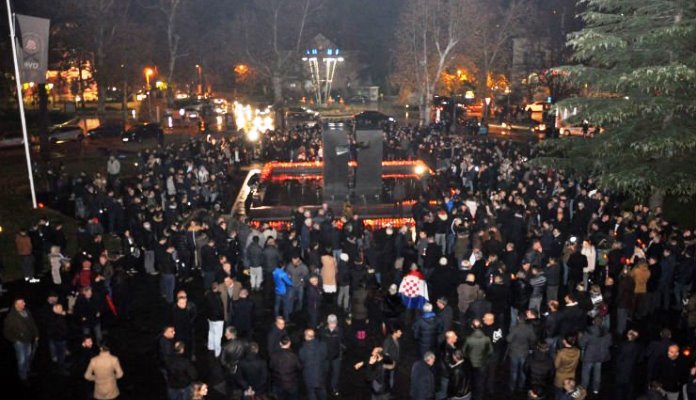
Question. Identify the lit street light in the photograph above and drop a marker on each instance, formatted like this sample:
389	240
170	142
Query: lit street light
199	69
148	73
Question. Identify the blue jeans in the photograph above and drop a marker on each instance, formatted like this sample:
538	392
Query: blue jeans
595	370
517	376
280	299
24	352
167	285
179	394
296	296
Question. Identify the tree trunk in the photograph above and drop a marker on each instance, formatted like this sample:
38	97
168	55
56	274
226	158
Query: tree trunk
656	199
277	82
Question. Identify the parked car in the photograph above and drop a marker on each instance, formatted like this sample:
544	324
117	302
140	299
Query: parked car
140	132
538	106
576	129
104	131
372	119
11	139
357	99
300	113
526	125
65	134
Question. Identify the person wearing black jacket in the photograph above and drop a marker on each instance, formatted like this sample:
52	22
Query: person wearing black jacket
254	370
539	367
573	317
285	371
671	372
216	318
180	374
88	310
577	262
183	317
57	333
313	356
210	263
243	314
628	356
332	336
232	354
460	377
165	348
164	254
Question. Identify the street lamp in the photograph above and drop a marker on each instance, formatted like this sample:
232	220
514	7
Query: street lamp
148	73
199	69
488	103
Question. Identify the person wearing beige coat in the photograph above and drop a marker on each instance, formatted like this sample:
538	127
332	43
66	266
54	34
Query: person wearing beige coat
104	369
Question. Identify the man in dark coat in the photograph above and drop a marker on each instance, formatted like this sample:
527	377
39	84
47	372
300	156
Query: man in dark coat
180	373
628	356
573	317
332	336
276	333
313	358
254	370
422	379
426	329
285	371
243	314
232	354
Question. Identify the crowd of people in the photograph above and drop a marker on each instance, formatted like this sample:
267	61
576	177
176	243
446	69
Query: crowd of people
533	281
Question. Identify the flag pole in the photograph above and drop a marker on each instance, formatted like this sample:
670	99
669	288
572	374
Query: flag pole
20	101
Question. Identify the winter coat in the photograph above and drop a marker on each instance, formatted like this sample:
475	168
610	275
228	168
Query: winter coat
104	370
314	366
18	328
358	303
521	339
539	368
595	345
641	275
180	372
255	373
566	362
468	293
426	330
422	381
285	369
460	379
282	281
477	348
627	359
271	258
243	315
573	320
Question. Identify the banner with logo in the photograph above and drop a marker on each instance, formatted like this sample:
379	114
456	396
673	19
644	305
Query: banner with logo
32	49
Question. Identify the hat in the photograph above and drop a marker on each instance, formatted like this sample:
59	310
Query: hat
332	319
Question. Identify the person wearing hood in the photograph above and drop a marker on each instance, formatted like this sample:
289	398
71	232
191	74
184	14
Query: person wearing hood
426	329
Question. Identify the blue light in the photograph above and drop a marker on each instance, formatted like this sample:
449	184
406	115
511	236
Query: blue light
337	51
329	52
314	51
307	52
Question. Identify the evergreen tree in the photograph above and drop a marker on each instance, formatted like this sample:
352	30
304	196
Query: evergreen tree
636	62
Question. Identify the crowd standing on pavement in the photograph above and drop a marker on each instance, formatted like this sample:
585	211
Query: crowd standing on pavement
539	284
